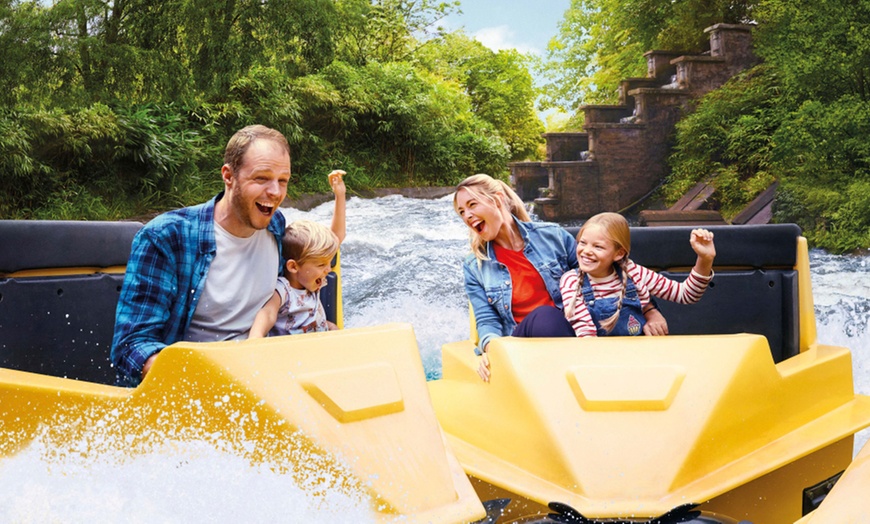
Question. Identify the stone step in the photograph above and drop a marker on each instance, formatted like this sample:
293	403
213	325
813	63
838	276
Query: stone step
667	217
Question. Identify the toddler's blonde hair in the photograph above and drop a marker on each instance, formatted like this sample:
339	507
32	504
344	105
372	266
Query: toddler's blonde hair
304	239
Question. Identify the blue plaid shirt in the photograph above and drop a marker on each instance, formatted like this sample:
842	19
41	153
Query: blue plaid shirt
165	277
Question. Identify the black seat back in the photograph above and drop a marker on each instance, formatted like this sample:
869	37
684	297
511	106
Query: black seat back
59	285
755	288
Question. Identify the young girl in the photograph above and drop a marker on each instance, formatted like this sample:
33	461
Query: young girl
608	294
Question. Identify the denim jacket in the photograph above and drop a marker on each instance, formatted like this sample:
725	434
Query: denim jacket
549	248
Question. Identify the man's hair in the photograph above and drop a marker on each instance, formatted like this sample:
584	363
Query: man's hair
304	239
242	140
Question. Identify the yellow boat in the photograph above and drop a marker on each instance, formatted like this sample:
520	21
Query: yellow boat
348	410
739	415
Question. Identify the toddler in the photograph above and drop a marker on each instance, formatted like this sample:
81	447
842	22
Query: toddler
308	249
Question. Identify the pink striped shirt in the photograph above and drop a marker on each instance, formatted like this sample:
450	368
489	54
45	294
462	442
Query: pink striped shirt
647	281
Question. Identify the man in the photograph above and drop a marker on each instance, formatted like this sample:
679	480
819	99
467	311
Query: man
201	273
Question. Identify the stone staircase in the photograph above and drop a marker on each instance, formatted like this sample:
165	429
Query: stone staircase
621	158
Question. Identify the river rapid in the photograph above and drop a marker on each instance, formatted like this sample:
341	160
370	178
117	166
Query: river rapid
400	263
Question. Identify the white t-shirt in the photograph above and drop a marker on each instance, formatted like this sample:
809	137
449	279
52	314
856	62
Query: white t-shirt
240	279
300	312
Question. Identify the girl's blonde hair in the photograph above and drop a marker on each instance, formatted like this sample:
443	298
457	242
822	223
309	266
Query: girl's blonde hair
484	187
304	239
615	228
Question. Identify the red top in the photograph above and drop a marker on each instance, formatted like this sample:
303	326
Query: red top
529	290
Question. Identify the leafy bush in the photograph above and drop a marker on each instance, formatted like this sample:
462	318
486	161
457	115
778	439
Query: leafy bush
391	125
95	162
729	139
823	156
747	135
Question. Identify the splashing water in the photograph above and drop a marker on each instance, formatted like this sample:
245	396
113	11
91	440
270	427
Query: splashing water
841	294
188	482
400	263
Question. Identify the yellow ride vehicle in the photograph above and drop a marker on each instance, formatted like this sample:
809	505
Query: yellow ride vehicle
739	415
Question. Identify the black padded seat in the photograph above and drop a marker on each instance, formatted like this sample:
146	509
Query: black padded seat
61	325
40	244
329	297
754	246
754	290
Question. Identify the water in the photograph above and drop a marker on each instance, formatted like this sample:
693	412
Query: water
841	294
400	263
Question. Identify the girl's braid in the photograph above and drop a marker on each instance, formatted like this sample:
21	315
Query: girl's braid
611	321
572	306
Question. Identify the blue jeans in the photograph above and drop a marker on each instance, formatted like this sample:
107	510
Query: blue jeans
545	322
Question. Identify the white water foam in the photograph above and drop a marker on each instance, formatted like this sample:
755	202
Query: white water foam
841	295
183	482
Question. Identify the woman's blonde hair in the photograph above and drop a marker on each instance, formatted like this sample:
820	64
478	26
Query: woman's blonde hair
484	187
615	228
304	239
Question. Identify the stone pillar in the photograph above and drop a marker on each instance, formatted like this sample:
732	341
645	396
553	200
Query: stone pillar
733	42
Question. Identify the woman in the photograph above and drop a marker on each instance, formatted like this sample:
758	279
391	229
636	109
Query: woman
512	274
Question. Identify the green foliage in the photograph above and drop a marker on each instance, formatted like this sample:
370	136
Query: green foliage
499	85
823	156
601	42
133	51
728	139
821	48
24	41
748	134
403	123
589	57
387	30
501	91
96	162
160	151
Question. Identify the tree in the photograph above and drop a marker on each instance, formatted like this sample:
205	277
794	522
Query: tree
601	42
499	85
820	48
138	50
29	68
408	122
387	30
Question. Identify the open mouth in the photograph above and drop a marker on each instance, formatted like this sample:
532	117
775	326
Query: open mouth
266	209
478	226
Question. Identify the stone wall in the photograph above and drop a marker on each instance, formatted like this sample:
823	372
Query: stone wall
622	156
